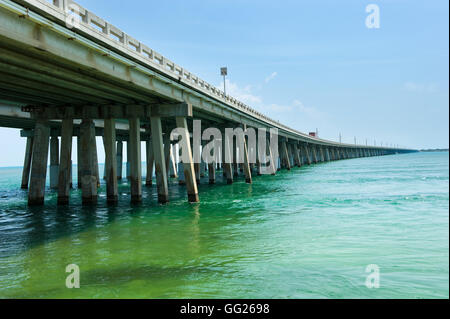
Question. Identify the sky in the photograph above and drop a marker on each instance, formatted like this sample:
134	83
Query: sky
309	64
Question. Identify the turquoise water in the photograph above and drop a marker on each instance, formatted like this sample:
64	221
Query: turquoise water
307	233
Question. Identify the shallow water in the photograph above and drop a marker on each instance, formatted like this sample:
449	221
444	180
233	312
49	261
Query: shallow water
307	233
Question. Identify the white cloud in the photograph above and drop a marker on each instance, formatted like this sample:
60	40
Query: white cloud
421	87
241	94
246	95
271	77
308	110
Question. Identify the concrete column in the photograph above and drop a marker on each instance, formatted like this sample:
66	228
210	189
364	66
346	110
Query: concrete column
285	155
273	160
298	162
119	160
94	150
54	162
150	162
314	153
228	168
64	175
188	167
246	164
322	156
160	163
79	166
167	146
173	164
27	163
235	159
87	162
39	163
109	140
128	159
212	173
135	160
307	154
300	154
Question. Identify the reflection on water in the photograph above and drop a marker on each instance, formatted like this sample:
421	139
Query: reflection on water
310	232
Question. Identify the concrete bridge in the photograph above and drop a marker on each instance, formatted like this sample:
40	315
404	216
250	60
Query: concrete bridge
65	72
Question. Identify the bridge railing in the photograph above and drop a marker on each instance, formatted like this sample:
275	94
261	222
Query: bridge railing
77	17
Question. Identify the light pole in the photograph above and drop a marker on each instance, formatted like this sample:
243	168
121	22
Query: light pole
224	73
340	138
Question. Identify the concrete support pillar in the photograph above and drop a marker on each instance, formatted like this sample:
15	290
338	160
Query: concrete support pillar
150	162
128	172
39	163
226	162
167	147
196	152
160	163
314	153
94	150
64	175
285	155
109	140
246	164
307	154
327	154
119	160
297	159
87	162
27	163
79	166
54	162
235	161
135	160
188	166
173	165
212	173
273	160
322	156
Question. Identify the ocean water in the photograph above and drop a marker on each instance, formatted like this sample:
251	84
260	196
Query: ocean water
307	233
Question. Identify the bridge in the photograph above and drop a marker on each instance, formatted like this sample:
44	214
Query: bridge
65	72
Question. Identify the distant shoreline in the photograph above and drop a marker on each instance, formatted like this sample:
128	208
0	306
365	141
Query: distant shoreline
436	150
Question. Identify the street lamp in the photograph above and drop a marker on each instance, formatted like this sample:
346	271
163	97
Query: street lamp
224	73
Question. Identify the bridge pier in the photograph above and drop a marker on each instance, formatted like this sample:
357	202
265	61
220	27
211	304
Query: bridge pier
39	163
227	158
314	153
285	156
54	162
298	161
307	154
173	163
188	163
65	166
246	164
119	157
135	160
87	162
111	161
149	160
160	163
322	155
212	173
27	162
235	159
